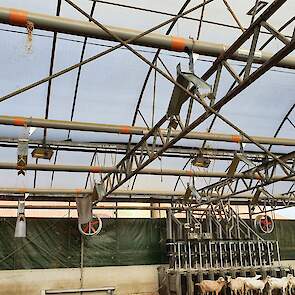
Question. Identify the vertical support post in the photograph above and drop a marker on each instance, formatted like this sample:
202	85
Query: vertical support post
221	254
155	213
200	255
169	225
185	255
190	283
178	284
179	255
82	263
174	255
268	253
189	255
230	255
210	254
169	241
259	252
238	227
278	253
250	215
250	254
240	253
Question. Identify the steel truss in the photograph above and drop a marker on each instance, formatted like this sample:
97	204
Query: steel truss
126	171
142	154
261	176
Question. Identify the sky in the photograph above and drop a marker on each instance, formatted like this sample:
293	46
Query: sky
109	87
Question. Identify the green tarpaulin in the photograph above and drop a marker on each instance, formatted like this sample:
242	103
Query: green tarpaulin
55	243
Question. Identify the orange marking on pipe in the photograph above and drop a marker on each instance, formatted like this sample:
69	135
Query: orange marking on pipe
95	169
125	129
19	121
78	191
258	177
18	17
236	138
190	173
177	44
22	190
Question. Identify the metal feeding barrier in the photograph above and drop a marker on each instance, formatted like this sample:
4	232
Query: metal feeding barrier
217	238
216	242
226	255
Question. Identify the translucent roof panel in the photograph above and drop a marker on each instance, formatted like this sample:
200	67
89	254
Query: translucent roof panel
109	87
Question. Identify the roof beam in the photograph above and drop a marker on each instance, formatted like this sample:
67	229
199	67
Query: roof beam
145	171
171	43
121	147
136	130
142	196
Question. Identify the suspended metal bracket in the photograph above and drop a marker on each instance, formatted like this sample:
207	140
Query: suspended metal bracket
200	161
20	227
44	152
192	193
84	208
235	162
22	155
189	81
99	191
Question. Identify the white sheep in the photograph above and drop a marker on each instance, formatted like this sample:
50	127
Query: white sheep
236	285
291	283
208	286
254	284
278	283
250	278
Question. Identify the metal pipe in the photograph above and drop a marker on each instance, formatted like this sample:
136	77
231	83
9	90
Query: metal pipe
120	148
145	171
107	290
123	129
132	199
234	15
99	207
84	28
155	195
117	199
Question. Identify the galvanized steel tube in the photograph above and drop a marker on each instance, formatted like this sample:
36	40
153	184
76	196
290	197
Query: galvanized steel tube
145	171
124	129
84	28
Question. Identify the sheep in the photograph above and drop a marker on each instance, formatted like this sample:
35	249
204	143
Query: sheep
278	283
208	286
291	283
254	284
236	285
251	278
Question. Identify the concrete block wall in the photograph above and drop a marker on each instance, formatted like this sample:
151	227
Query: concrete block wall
128	280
